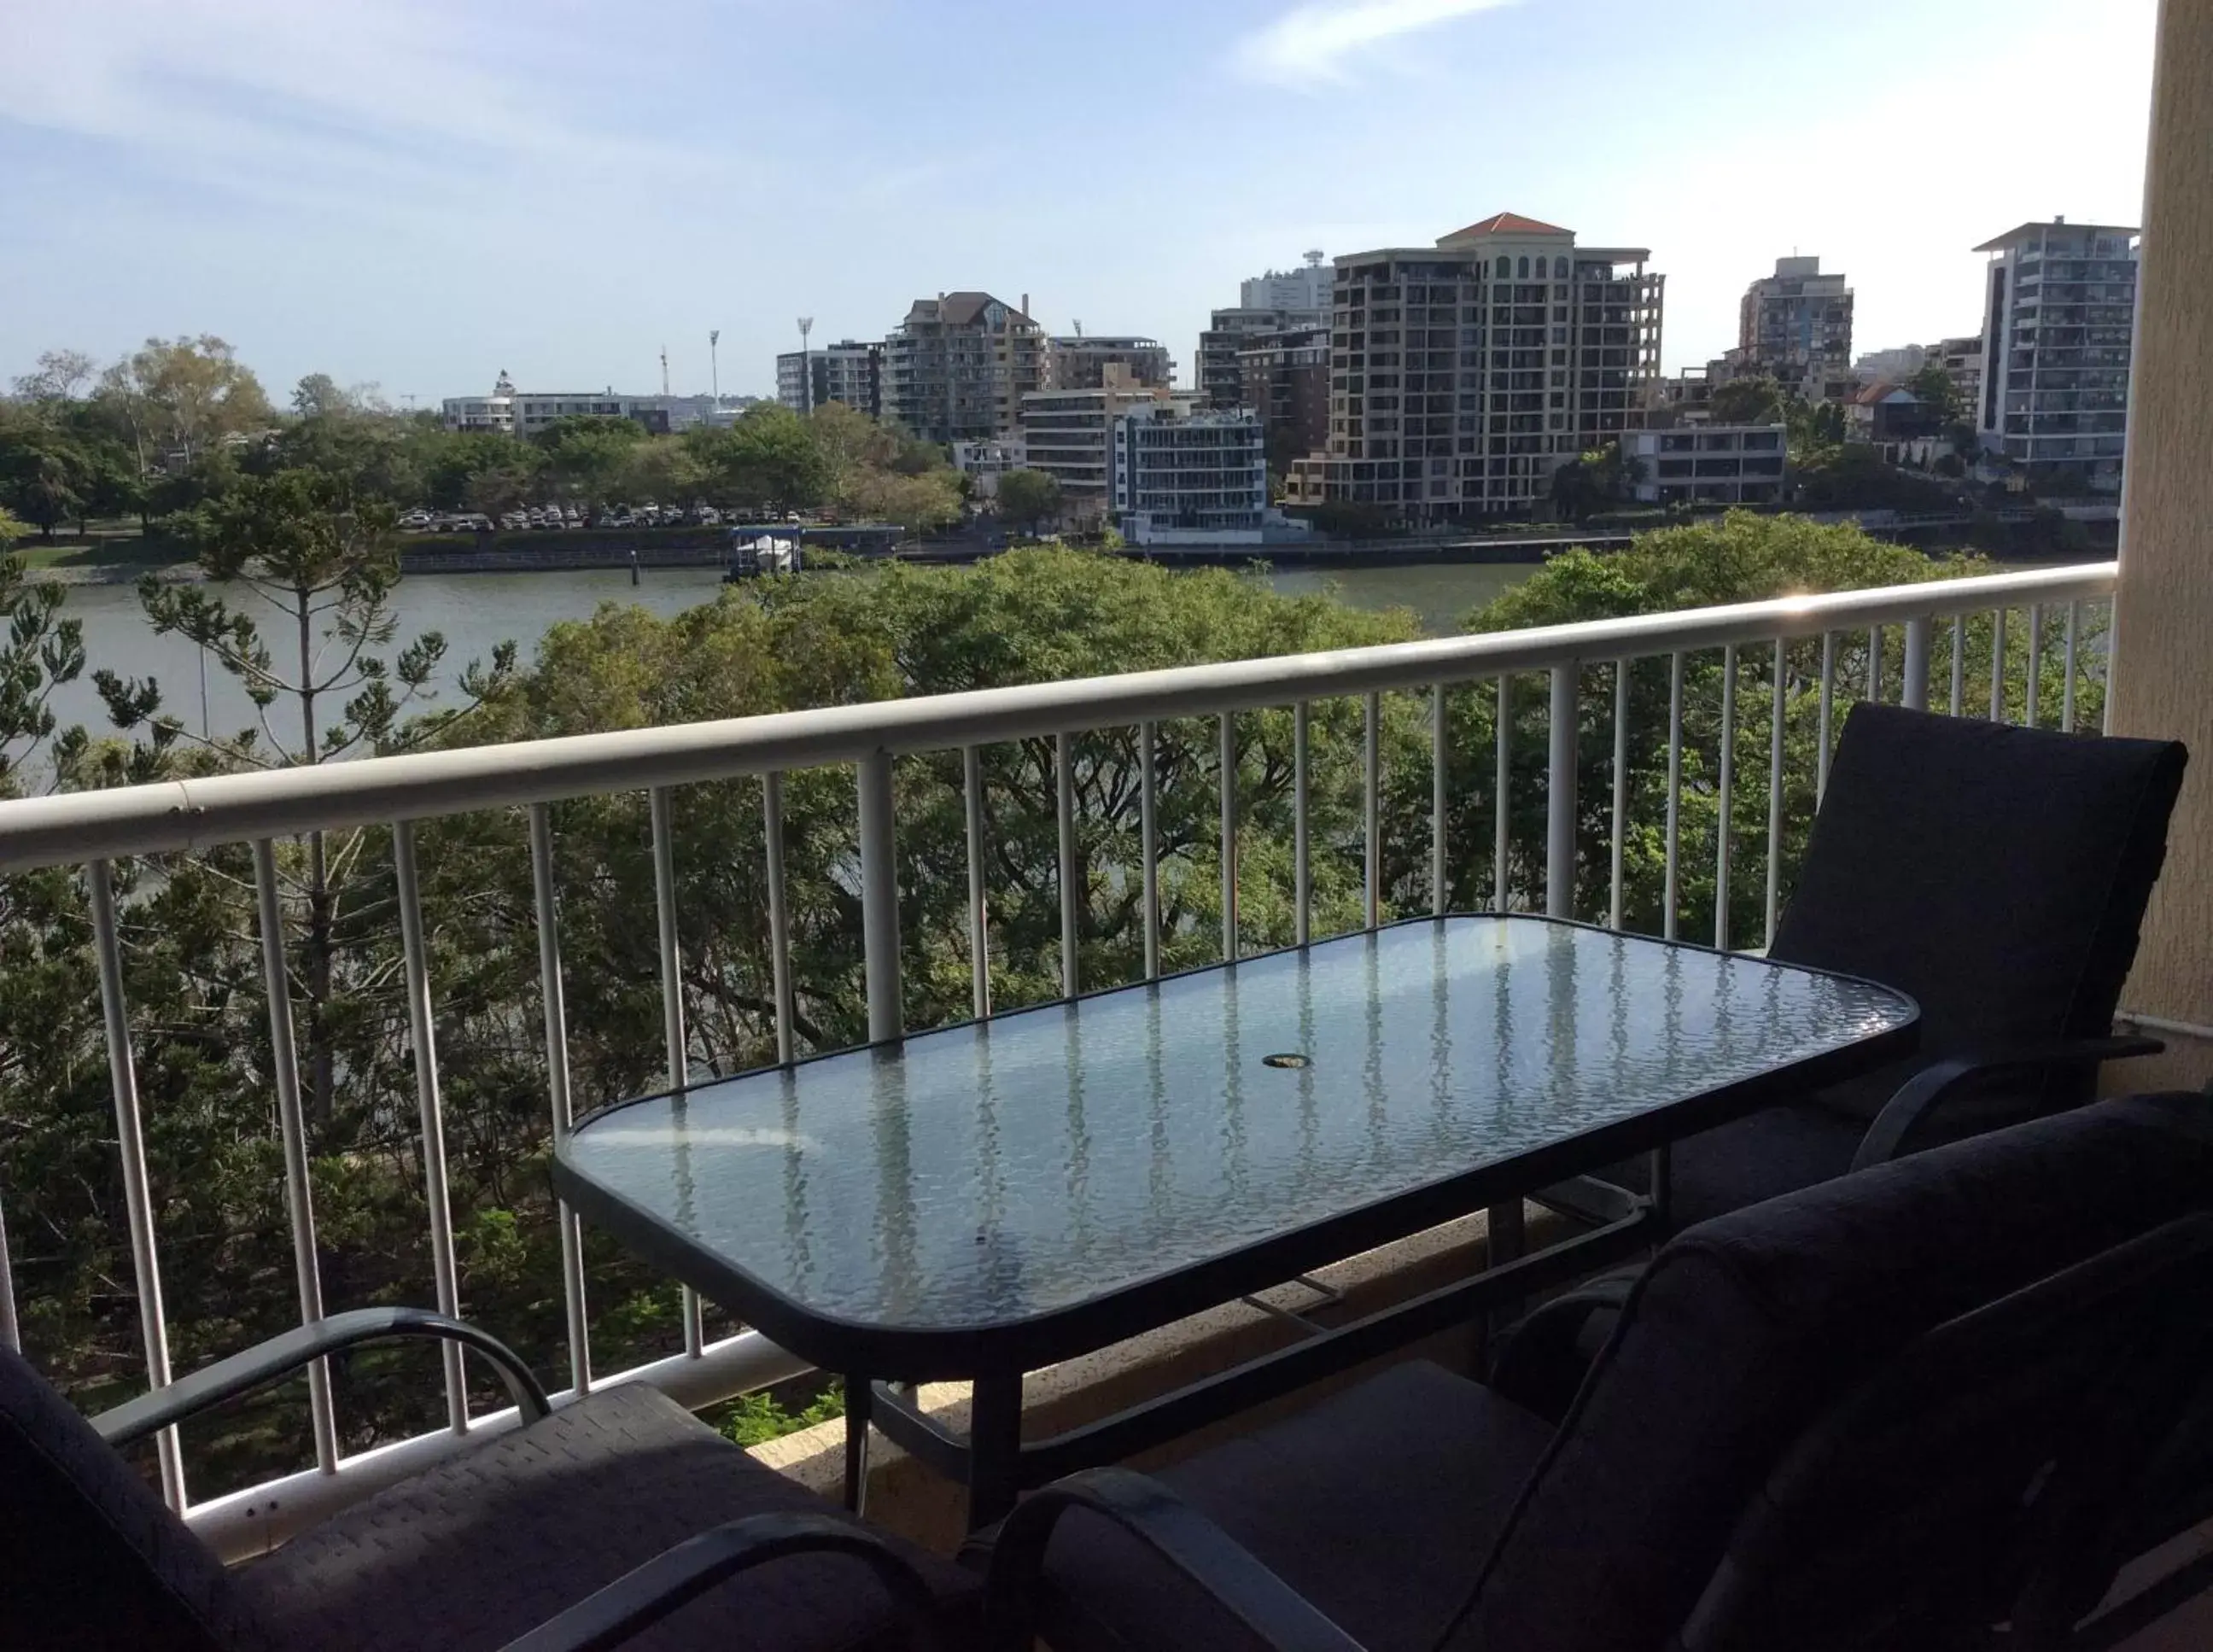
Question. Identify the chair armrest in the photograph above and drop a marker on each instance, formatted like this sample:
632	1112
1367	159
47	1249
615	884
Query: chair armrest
278	1357
1922	1095
644	1595
1180	1534
1541	1362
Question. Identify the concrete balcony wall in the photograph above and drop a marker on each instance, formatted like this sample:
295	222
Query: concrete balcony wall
2163	617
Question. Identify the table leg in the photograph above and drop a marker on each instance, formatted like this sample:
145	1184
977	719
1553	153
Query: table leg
1661	1176
860	1400
995	1448
1508	1238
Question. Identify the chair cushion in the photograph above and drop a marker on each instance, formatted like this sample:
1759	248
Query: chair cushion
1900	883
1774	1151
498	1539
89	1557
1374	1505
1745	1326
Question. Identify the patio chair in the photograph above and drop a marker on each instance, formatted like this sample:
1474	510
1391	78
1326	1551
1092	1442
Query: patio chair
1890	1410
1999	875
620	1520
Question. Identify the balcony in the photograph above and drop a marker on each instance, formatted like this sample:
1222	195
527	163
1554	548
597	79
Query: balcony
1650	773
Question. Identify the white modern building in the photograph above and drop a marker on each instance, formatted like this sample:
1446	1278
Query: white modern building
1067	434
1463	375
1307	288
1182	476
1708	464
2056	330
985	462
524	413
851	371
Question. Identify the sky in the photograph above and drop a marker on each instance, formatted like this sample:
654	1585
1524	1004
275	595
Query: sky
419	193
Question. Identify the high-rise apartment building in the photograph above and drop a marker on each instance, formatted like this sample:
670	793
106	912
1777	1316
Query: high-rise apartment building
2061	306
1280	301
1221	379
850	371
1307	288
960	365
1796	326
1462	376
1962	361
1078	362
1285	379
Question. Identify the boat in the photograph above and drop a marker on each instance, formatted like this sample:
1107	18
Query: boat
756	550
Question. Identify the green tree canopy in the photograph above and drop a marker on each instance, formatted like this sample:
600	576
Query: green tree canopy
1935	387
1029	499
1758	399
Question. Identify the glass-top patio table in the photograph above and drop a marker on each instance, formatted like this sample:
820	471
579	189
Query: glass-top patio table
978	1202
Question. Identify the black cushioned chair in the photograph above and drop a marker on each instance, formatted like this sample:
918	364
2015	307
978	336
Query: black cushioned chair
620	1520
1889	1410
1999	875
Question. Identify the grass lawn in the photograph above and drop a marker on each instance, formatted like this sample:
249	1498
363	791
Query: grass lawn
99	551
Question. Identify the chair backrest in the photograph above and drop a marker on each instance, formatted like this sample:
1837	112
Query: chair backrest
89	1556
1748	1330
1978	1479
1998	875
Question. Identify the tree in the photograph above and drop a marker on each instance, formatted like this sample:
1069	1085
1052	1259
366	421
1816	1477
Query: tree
188	393
1935	388
318	395
1758	399
1028	498
60	374
1595	479
920	505
587	457
303	544
850	441
45	476
769	459
450	463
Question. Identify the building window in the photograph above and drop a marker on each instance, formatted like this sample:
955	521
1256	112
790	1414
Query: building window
1524	272
1559	268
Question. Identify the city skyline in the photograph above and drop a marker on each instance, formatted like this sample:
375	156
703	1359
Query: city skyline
474	193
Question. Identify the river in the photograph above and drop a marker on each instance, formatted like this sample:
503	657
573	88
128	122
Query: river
477	611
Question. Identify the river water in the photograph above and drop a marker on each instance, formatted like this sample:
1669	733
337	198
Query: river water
477	611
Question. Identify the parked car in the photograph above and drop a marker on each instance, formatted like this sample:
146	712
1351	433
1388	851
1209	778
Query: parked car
515	521
708	516
416	521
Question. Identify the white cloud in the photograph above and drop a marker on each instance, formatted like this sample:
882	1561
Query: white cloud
1318	43
368	102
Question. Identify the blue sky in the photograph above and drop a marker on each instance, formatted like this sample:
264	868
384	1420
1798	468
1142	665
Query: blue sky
421	192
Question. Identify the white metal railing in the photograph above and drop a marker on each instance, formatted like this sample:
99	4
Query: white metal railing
93	829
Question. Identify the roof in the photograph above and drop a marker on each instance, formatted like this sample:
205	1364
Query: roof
1505	223
2034	230
1883	390
958	309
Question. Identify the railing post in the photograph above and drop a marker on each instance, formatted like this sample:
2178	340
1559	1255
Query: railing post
880	920
1915	694
137	1195
1560	797
299	1199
